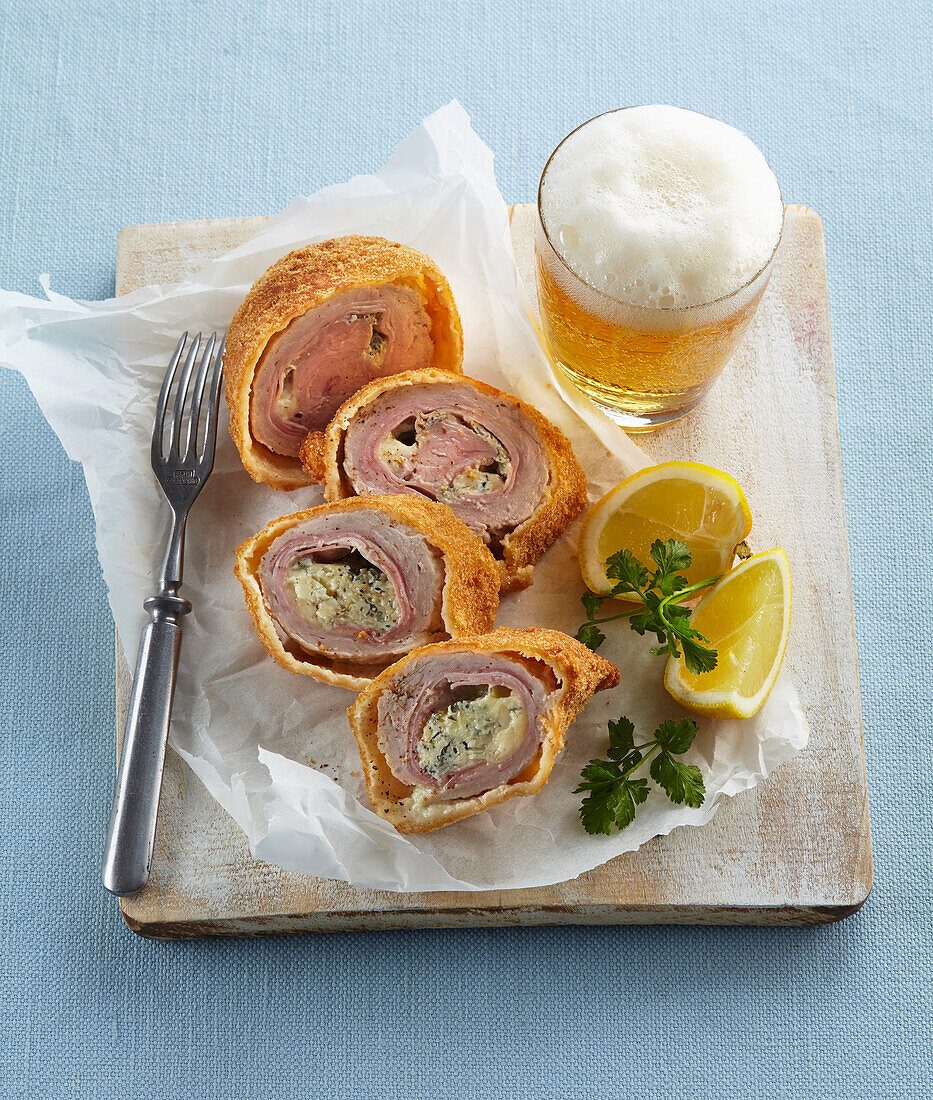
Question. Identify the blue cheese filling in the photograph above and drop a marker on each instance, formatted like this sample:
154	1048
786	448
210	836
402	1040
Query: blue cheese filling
329	592
476	481
488	728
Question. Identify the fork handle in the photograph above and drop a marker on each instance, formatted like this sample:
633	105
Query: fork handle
130	835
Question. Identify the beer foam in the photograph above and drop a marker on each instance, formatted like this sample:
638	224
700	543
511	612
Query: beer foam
661	207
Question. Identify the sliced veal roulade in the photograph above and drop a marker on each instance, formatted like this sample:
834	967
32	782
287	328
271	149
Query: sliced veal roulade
506	471
460	726
340	591
319	324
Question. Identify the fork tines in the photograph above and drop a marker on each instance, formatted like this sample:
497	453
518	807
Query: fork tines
190	374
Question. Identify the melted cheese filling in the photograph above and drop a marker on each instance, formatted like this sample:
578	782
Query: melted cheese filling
488	728
477	481
325	592
287	401
393	452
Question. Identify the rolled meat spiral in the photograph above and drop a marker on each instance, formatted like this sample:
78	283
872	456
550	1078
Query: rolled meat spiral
338	592
456	727
310	368
503	468
319	324
437	684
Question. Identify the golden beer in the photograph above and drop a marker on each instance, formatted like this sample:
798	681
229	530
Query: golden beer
651	259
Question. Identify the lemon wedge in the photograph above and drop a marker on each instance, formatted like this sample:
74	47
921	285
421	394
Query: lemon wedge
699	505
746	617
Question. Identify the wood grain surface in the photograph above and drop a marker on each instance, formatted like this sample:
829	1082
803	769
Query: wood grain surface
796	850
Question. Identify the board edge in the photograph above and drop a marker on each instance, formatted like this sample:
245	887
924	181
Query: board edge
795	916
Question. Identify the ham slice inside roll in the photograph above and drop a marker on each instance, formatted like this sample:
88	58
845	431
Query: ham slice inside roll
455	444
354	586
327	353
458	724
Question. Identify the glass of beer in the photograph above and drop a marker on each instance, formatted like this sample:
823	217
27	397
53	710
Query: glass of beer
657	228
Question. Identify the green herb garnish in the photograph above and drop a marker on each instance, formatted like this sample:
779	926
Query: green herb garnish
661	609
614	794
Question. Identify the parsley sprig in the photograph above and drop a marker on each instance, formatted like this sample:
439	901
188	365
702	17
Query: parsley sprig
661	610
613	792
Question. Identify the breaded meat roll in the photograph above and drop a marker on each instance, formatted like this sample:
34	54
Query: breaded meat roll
457	727
506	471
319	324
340	591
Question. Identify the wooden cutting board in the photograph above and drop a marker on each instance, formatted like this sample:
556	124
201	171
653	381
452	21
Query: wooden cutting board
796	850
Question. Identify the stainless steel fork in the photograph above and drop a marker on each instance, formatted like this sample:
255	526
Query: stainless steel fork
182	459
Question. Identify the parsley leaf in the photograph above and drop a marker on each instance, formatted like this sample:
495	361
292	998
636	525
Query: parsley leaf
659	607
612	797
604	782
676	737
628	571
621	739
591	603
698	658
613	794
682	782
671	556
591	636
634	793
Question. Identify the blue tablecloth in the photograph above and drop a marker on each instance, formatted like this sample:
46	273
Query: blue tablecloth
119	114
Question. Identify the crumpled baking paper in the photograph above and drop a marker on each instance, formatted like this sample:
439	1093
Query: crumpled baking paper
275	749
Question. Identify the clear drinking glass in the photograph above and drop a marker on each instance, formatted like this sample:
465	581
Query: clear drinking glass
644	365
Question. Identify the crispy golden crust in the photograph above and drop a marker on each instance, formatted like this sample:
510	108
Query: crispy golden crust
579	674
564	495
471	581
306	278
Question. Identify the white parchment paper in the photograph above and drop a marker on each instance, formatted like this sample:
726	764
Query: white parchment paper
275	749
